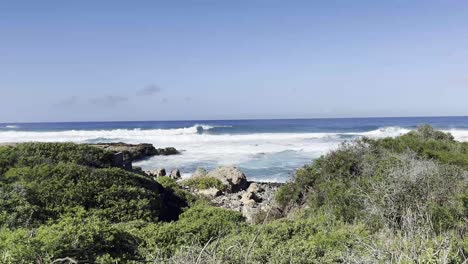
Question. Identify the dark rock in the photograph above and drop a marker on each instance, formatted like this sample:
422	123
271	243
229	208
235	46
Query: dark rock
136	152
175	174
125	154
167	151
157	173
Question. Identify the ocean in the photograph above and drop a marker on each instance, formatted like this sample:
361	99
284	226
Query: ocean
265	150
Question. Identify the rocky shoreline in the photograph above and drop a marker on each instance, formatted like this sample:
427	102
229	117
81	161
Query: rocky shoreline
255	203
135	152
255	200
125	154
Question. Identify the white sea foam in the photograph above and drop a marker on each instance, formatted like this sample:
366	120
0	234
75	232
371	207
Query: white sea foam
382	132
255	151
12	126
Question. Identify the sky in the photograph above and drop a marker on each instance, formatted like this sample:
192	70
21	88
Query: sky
219	59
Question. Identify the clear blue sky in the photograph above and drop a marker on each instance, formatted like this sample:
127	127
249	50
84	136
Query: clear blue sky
219	59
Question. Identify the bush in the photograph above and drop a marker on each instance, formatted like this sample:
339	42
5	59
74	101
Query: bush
414	182
196	226
78	236
318	239
113	193
202	183
32	154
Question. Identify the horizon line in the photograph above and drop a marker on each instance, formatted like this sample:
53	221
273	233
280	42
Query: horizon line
238	119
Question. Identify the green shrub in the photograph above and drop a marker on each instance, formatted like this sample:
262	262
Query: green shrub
202	183
413	182
318	239
78	236
196	226
113	193
32	154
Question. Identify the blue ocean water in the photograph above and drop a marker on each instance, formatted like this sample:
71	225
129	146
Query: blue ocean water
266	150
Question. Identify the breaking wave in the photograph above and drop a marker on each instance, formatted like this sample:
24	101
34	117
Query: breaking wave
194	134
11	127
261	155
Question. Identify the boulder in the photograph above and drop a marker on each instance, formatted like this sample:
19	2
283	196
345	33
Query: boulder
211	192
157	173
250	213
254	188
167	151
232	177
250	199
175	174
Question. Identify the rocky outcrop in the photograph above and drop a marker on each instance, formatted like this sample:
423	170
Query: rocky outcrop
157	173
255	200
175	174
167	151
125	154
231	177
254	203
136	152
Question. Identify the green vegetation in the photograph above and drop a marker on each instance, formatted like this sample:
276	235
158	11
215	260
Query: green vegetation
410	192
393	200
202	183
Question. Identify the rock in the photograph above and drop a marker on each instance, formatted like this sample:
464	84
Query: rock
200	172
167	151
250	213
133	152
211	192
253	205
250	199
254	188
232	177
157	173
175	174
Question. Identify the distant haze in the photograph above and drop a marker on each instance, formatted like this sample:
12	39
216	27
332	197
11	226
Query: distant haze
209	59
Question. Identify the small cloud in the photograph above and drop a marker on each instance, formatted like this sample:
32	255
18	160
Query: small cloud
67	102
164	101
149	90
188	99
109	100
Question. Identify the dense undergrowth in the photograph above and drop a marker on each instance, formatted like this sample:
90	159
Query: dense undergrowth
393	200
